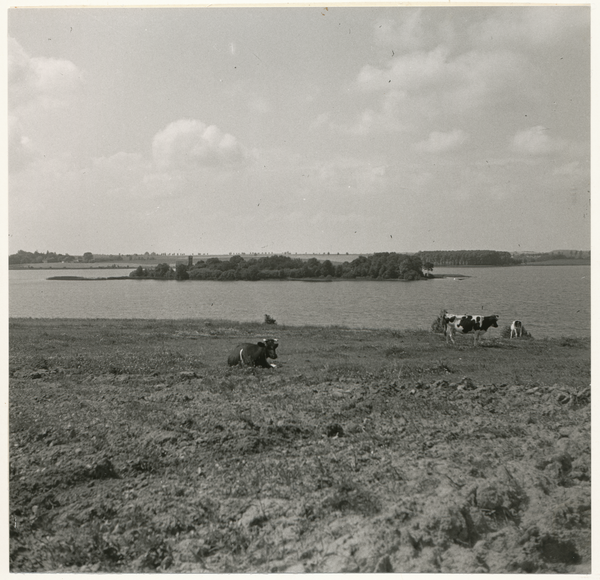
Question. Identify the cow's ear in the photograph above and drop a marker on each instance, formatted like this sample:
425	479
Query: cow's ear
261	343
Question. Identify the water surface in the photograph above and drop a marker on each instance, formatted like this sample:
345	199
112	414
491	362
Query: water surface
550	300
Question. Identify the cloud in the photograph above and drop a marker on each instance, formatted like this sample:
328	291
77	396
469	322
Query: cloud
411	71
37	87
388	118
39	81
20	149
438	142
189	144
536	141
469	74
425	85
413	30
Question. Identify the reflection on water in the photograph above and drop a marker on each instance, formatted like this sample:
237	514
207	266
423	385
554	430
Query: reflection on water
550	300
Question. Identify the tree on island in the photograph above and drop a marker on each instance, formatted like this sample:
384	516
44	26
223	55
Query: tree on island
411	268
181	272
163	271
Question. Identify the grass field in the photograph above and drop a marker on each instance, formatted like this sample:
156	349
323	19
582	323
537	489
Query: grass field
134	448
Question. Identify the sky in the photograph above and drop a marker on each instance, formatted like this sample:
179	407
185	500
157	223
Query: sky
304	130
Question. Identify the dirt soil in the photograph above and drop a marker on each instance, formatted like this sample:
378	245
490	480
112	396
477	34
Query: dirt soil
135	448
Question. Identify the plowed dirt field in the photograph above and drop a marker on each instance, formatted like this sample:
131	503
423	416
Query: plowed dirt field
135	448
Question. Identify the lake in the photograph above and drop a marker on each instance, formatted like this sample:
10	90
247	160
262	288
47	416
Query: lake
550	300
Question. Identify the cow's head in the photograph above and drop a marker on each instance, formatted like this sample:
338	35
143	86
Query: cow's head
448	319
494	318
271	345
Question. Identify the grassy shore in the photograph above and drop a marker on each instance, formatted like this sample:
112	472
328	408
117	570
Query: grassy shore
134	448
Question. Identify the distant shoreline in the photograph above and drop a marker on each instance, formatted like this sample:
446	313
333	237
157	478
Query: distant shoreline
312	280
133	265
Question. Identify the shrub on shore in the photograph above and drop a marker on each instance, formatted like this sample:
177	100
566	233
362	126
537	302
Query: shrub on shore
270	319
438	324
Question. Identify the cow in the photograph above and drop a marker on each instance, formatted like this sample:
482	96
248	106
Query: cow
465	323
254	355
448	318
516	328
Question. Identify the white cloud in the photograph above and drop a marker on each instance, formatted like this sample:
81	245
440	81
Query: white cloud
422	86
412	30
536	141
469	74
119	162
388	118
37	87
190	144
20	149
39	81
411	71
438	142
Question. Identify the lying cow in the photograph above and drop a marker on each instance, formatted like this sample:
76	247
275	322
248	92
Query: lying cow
254	355
516	328
465	323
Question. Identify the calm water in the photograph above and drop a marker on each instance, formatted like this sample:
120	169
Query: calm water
550	300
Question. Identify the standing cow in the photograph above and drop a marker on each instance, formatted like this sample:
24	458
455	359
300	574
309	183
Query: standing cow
516	329
254	355
465	323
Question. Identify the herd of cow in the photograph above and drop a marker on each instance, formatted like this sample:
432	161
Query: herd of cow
256	355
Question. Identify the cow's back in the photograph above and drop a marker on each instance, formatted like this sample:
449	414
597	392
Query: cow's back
235	356
249	354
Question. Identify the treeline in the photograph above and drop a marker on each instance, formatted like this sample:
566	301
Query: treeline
381	266
22	257
161	272
468	258
530	257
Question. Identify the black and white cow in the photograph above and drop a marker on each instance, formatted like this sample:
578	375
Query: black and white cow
449	319
254	355
465	323
516	328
